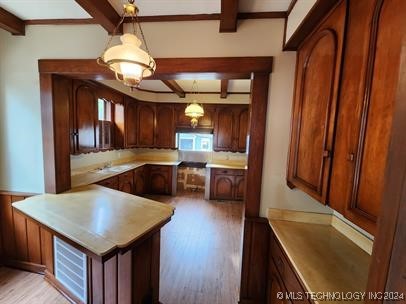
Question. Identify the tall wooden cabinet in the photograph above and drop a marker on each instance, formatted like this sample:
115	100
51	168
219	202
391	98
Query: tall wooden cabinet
315	100
145	125
131	119
339	156
165	126
230	128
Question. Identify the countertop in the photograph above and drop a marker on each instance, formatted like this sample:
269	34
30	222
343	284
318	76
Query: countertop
325	259
94	176
96	218
226	165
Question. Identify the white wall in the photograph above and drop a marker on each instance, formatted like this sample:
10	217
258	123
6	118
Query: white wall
20	134
299	11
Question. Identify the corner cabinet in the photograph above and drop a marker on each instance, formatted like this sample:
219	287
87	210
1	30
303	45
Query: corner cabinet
314	108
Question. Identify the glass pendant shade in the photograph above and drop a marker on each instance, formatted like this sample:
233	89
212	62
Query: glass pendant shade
128	61
194	111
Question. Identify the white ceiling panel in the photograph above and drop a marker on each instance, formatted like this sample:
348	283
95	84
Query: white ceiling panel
44	9
264	5
171	7
239	85
202	85
154	85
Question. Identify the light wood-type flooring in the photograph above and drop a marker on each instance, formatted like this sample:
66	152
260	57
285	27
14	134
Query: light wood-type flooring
200	257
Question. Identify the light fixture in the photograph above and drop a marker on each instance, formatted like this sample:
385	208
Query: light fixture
194	110
128	61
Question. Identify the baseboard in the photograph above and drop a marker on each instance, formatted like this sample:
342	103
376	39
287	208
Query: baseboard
50	278
27	266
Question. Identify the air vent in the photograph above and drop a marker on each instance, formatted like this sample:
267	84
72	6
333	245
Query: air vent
70	268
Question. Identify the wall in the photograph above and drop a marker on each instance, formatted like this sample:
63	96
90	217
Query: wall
20	134
299	11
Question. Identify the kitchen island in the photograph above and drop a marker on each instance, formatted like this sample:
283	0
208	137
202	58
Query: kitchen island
105	244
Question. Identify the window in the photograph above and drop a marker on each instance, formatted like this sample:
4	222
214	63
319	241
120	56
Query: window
195	141
105	123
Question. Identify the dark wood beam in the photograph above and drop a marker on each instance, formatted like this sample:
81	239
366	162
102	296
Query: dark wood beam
228	17
175	87
319	10
224	88
60	21
103	13
11	23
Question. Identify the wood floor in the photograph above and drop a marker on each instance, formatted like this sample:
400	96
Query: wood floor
200	258
201	251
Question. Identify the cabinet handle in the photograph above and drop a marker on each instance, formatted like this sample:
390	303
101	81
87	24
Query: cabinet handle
326	153
350	157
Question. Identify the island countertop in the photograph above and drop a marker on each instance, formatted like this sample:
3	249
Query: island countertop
96	218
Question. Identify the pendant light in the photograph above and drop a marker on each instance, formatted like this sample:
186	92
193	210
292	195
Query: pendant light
127	60
194	110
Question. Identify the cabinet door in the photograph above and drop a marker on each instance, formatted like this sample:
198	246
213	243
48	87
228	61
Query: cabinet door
139	181
111	183
239	188
126	182
370	76
223	130
313	117
85	117
241	130
207	121
165	126
146	125
222	187
160	180
131	123
181	120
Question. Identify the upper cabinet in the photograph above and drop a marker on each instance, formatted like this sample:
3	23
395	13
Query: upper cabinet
370	75
145	125
205	122
165	126
230	128
341	125
314	107
130	121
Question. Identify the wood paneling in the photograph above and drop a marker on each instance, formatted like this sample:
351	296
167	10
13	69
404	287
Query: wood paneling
175	87
309	23
314	107
165	126
103	13
145	125
254	272
11	23
228	17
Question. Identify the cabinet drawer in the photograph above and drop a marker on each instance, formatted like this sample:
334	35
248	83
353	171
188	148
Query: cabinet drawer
228	171
285	271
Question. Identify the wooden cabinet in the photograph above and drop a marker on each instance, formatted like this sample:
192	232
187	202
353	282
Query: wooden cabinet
111	183
139	181
230	128
145	125
227	184
126	182
205	122
131	119
159	179
165	126
315	101
84	117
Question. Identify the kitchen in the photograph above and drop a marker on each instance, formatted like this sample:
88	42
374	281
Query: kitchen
299	146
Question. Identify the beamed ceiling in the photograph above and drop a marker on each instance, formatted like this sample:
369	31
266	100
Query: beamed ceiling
15	14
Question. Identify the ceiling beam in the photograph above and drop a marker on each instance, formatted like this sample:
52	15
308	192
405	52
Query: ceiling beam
11	23
175	87
228	16
103	13
224	88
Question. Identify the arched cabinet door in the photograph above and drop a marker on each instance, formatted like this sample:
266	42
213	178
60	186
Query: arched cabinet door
314	108
165	125
145	125
223	187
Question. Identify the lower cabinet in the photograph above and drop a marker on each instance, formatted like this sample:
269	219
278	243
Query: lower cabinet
159	179
111	183
126	182
227	184
139	181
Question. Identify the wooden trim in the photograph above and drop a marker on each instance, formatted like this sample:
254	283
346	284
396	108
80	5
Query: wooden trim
174	18
175	87
318	12
388	247
290	8
228	16
224	88
11	23
60	21
103	13
27	266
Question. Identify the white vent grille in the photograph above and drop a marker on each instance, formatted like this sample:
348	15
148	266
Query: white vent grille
70	268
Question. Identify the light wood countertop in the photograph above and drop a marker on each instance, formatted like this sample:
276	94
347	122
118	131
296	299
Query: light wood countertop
324	259
227	165
95	176
97	218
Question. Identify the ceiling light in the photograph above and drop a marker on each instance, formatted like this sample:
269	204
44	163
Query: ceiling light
129	62
194	110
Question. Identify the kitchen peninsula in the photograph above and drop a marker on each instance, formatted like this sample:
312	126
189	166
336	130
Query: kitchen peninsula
103	245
